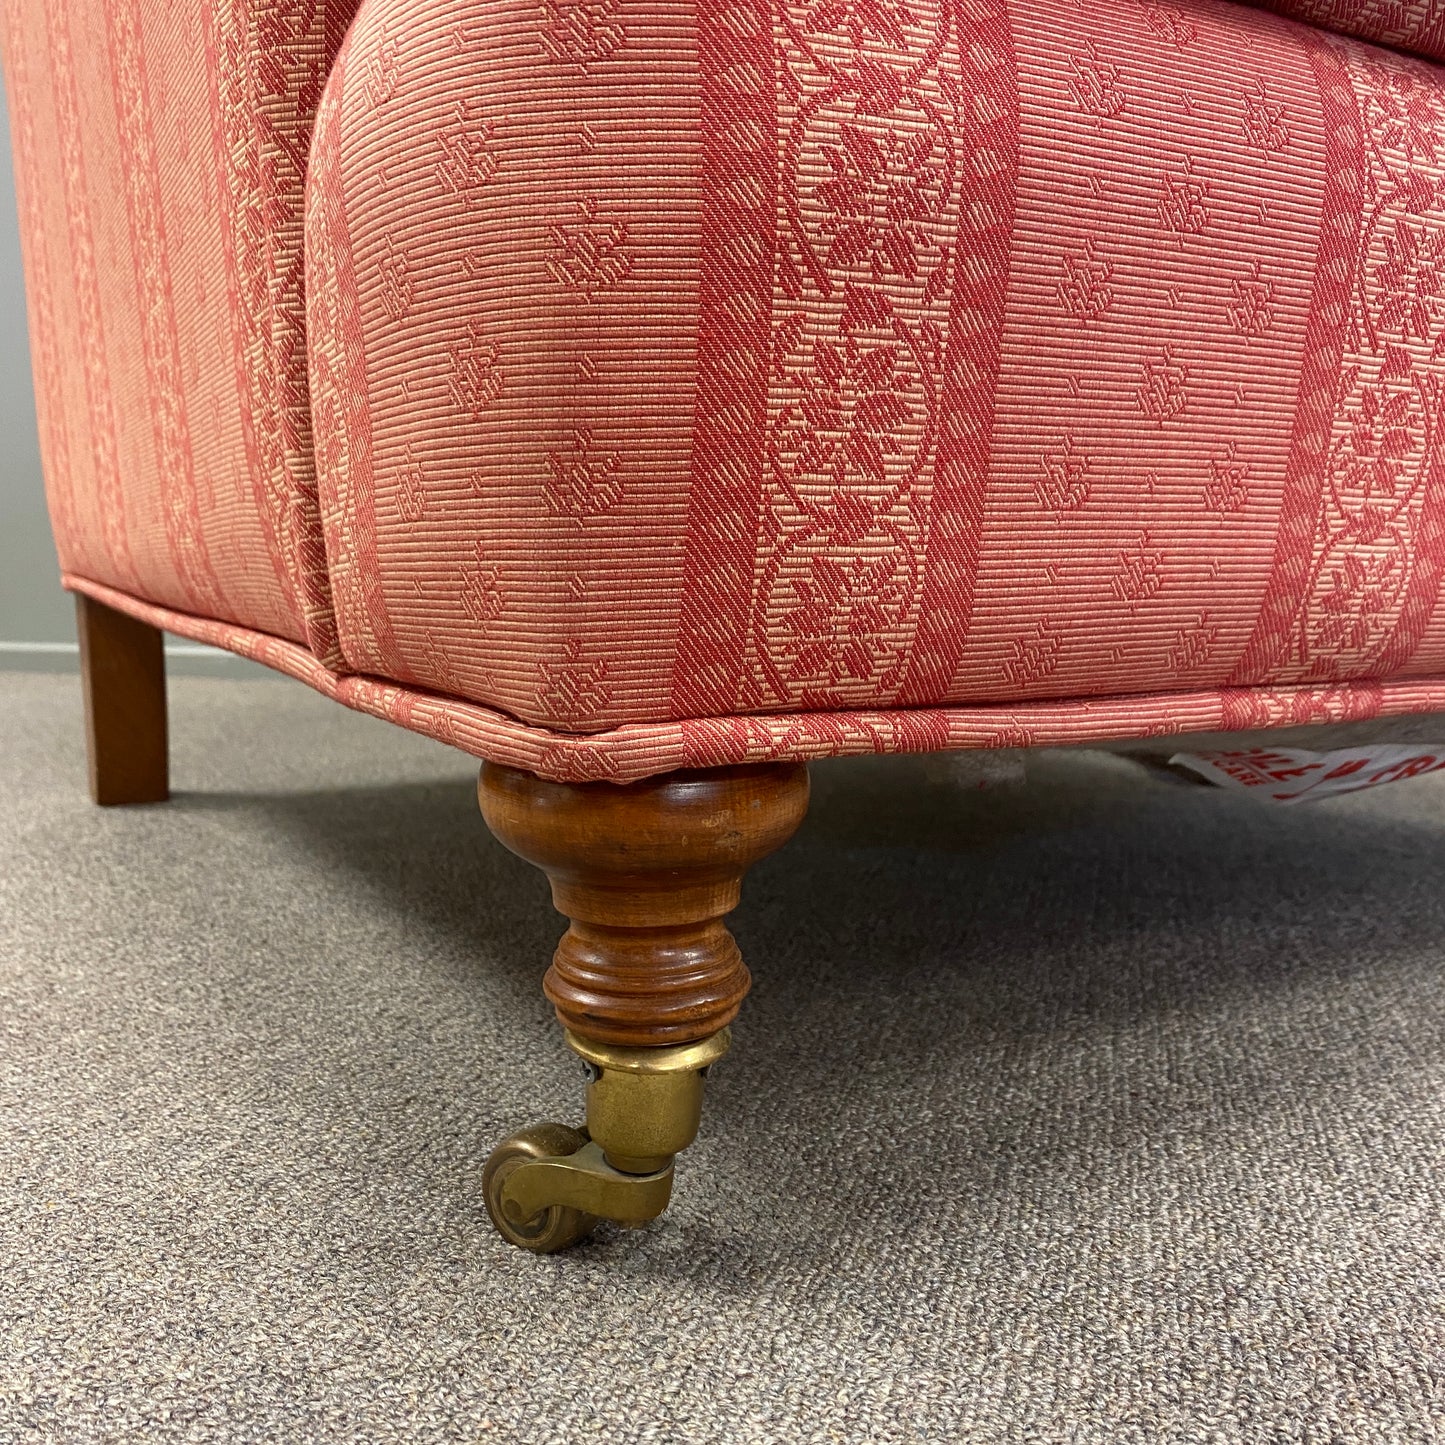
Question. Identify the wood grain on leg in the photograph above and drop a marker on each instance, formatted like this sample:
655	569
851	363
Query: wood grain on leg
646	873
122	670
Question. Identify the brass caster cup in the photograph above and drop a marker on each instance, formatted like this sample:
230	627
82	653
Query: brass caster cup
546	1187
644	1105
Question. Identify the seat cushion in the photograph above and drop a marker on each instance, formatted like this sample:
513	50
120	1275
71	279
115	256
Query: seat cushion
160	151
1414	25
827	357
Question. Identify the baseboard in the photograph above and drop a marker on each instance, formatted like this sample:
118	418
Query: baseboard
183	659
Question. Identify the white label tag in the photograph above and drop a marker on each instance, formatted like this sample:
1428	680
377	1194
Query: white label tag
1292	775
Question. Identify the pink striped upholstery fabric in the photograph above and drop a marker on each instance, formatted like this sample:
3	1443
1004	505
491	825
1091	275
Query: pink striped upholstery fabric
767	378
160	155
1414	25
797	357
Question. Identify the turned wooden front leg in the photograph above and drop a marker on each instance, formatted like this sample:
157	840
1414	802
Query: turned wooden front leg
123	676
645	980
646	873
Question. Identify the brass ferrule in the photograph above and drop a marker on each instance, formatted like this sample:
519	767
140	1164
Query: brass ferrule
644	1105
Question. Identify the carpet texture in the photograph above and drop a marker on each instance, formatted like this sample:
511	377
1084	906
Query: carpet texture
1081	1109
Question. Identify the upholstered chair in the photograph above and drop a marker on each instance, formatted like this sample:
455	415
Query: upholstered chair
649	396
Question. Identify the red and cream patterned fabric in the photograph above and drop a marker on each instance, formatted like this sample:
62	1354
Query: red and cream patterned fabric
789	356
693	384
160	152
1414	25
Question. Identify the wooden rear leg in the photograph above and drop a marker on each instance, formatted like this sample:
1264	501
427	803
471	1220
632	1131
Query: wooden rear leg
123	674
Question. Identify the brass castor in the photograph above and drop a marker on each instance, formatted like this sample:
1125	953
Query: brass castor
546	1186
549	1229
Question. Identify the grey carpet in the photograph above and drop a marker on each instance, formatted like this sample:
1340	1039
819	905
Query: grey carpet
1082	1110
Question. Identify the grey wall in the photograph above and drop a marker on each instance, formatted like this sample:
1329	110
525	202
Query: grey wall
37	622
33	609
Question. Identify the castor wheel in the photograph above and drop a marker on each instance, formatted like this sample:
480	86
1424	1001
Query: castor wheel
558	1225
548	1185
